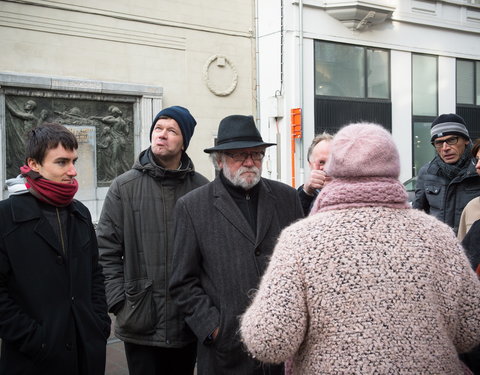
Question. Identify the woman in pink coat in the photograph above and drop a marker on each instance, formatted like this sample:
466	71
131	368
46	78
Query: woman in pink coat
366	284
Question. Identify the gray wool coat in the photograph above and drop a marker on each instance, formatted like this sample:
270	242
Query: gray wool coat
217	265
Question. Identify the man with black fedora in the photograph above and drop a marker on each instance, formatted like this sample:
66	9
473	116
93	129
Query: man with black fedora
135	238
447	183
225	233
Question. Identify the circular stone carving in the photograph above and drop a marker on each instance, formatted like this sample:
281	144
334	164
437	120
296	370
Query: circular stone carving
214	90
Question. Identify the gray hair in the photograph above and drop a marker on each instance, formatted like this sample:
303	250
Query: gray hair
217	157
318	138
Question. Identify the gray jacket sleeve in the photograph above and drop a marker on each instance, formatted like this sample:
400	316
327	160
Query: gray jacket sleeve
111	246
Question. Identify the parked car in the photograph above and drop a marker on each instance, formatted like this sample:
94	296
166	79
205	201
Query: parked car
410	188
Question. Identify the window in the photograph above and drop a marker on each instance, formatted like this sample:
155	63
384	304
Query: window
468	82
424	75
423	151
344	70
424	107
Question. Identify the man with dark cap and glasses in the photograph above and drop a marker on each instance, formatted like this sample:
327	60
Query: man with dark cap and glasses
449	181
225	233
135	239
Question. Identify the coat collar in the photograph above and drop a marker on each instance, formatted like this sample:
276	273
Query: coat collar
145	165
229	209
25	208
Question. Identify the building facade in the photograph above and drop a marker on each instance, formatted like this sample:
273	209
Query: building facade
105	68
396	62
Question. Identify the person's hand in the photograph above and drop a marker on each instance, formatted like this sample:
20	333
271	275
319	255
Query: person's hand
317	180
212	337
215	333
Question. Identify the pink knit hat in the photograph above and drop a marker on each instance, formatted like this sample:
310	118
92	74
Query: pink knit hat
363	150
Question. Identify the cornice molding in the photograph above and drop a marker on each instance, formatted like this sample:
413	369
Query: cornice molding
129	17
89	30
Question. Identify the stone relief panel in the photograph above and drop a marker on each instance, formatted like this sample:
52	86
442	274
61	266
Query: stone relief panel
111	120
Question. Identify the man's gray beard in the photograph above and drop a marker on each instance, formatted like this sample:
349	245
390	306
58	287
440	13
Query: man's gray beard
237	179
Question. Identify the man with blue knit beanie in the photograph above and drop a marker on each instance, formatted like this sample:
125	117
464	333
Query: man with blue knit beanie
447	183
184	119
135	238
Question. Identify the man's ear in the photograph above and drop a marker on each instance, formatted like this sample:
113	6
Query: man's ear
33	164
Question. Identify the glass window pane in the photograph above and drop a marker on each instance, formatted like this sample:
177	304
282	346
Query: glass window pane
423	151
339	70
465	82
477	85
424	85
377	74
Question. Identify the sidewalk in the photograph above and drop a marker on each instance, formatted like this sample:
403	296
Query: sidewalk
116	360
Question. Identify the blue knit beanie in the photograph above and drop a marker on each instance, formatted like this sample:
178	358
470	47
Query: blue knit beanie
184	119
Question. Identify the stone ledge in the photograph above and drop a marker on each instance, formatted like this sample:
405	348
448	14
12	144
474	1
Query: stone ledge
79	85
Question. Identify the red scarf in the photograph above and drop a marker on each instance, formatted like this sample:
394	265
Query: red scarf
55	193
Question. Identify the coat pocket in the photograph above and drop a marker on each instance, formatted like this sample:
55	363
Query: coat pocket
434	196
432	189
138	312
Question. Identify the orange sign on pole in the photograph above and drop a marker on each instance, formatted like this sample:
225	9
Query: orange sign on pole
296	124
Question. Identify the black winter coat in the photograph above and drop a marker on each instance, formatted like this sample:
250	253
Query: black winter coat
471	244
218	263
53	313
307	200
135	238
443	198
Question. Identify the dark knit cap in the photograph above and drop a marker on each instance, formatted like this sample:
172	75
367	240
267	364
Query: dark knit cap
184	119
448	124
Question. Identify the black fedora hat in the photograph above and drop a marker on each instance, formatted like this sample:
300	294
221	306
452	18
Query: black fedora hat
237	131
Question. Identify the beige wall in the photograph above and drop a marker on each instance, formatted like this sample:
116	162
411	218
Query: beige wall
155	43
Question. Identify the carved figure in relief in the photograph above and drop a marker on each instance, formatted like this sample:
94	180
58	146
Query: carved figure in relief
73	117
119	131
106	169
20	120
27	116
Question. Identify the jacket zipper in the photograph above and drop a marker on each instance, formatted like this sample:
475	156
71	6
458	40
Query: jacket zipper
167	341
61	230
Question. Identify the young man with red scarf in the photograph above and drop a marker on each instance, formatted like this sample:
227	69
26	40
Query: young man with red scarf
53	312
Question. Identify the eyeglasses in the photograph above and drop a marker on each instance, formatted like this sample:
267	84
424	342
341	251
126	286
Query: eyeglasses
449	141
242	156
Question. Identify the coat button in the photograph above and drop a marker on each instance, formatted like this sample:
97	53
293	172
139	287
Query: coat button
59	259
68	346
257	252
